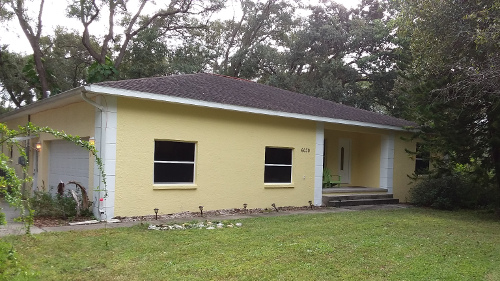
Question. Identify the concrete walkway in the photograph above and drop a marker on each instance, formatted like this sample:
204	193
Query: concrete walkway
12	227
16	228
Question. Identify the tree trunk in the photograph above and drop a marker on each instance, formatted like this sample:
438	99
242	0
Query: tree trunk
34	39
40	69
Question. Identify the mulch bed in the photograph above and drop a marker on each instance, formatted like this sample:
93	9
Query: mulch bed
50	222
215	213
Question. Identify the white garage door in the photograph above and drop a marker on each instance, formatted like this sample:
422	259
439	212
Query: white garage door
68	162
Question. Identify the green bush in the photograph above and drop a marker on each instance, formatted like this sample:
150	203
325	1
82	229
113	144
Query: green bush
57	206
453	191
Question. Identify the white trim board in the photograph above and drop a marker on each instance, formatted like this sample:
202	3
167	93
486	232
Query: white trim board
318	164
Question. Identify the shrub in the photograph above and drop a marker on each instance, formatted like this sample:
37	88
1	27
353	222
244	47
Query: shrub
58	206
453	191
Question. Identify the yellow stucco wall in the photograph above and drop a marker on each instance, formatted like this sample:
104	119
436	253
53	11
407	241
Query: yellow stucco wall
404	165
230	151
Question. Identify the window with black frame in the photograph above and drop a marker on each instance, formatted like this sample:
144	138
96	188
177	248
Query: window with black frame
421	160
174	162
278	165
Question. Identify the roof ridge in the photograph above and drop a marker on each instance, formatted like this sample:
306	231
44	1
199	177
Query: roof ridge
146	78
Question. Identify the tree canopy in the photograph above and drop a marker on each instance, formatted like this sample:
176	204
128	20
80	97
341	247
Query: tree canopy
450	86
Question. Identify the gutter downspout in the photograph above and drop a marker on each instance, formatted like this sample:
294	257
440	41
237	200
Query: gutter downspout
101	109
91	102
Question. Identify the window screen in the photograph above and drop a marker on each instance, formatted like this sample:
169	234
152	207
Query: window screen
278	165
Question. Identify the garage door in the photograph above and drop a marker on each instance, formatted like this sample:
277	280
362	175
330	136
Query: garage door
68	162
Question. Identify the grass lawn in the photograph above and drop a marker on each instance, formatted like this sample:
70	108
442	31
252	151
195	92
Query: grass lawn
403	244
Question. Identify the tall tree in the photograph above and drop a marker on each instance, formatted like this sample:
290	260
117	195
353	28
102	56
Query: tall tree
343	55
260	24
452	82
32	29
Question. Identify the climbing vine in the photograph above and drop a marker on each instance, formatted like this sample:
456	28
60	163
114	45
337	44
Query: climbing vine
11	184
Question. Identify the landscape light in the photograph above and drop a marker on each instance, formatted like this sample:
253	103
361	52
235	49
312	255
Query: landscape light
156	213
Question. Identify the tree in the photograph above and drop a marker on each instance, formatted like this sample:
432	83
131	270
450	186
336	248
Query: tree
14	86
175	17
261	24
32	29
347	56
66	59
452	82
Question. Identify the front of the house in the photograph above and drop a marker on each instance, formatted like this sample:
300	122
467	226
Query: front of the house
179	153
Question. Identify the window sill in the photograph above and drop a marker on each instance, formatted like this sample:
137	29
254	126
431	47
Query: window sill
174	187
278	185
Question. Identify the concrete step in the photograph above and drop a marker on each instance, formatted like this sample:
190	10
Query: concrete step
358	202
356	190
357	196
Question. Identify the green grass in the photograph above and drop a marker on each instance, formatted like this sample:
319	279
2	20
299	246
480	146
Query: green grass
404	244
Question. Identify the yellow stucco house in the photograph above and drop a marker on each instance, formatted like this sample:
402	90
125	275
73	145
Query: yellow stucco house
178	142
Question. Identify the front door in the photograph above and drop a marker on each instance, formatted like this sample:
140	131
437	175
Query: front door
345	160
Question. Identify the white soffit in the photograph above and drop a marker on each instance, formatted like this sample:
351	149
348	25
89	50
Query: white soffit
157	97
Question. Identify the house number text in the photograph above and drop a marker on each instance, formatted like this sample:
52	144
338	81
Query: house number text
306	150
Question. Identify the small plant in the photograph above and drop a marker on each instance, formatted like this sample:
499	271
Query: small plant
63	206
3	221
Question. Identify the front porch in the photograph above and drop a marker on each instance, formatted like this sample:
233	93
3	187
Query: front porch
356	195
360	160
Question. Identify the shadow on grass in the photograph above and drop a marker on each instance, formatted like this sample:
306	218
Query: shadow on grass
459	215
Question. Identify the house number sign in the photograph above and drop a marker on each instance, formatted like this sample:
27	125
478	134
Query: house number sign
305	150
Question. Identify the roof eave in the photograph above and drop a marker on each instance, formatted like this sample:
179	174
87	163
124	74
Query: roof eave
157	97
41	105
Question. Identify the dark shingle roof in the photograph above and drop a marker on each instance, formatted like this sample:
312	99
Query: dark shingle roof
239	92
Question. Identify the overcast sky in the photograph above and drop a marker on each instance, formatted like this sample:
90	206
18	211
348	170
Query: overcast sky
54	15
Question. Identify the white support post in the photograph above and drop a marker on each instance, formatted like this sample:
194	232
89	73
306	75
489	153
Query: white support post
387	162
318	164
105	142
